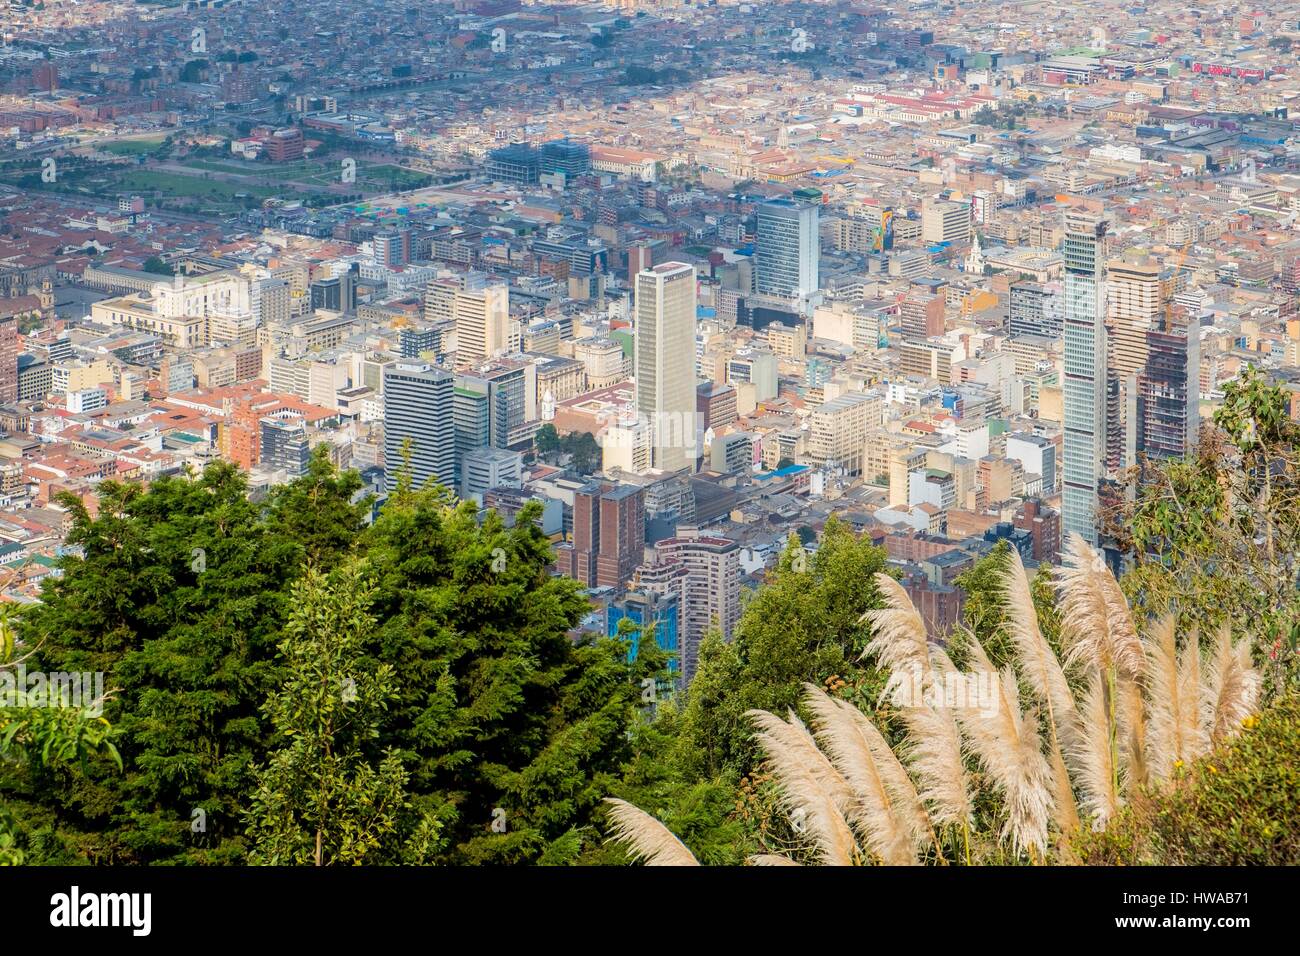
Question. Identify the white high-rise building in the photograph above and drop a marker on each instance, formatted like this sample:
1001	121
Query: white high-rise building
944	221
482	318
418	408
787	250
665	364
1083	317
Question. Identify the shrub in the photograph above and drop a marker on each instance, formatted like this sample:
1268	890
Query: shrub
1238	805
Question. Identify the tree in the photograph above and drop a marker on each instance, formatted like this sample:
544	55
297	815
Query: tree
585	451
321	798
193	71
322	511
1216	536
178	596
547	440
48	737
969	743
511	729
156	266
1233	807
40	728
804	624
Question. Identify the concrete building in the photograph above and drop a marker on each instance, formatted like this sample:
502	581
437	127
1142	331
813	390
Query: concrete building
711	586
486	468
418	408
482	317
943	221
787	250
665	377
608	535
838	431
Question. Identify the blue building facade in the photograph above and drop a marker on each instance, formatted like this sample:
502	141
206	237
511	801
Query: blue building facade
645	609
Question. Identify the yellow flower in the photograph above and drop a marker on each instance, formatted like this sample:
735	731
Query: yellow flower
1213	768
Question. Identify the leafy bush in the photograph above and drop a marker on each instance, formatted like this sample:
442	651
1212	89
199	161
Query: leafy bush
1237	806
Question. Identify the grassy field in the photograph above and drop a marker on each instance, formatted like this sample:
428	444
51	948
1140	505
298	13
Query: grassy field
213	184
176	184
313	173
132	147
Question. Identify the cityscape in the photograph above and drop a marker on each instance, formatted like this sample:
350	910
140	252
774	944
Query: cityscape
782	353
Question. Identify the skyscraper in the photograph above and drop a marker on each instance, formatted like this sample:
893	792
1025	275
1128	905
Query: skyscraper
8	359
787	249
1169	390
418	406
284	444
482	314
944	221
337	294
1083	248
608	535
665	362
1034	309
711	587
1132	307
1133	299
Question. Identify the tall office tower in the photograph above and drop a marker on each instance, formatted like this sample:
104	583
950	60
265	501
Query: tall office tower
646	609
1169	390
1134	293
838	431
482	314
418	406
413	342
440	299
8	359
640	257
472	423
577	559
1084	247
1121	422
711	587
787	249
943	221
1034	309
920	314
667	581
622	535
392	247
1132	306
511	391
337	294
268	297
608	534
563	156
517	164
665	366
284	444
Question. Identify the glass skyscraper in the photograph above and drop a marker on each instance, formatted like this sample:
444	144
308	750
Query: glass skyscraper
1084	327
787	249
